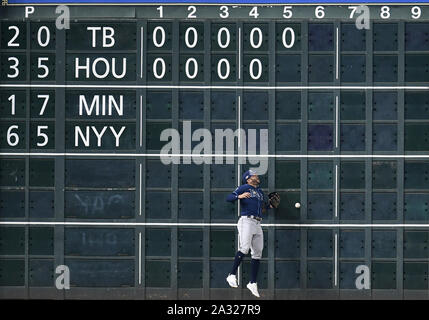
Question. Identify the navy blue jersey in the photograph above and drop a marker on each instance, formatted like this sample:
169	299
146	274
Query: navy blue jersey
252	205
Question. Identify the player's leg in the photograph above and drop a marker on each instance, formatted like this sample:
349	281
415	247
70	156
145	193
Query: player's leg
256	247
244	242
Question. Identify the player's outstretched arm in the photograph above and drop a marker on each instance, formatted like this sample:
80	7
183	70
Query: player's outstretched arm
274	200
238	193
232	197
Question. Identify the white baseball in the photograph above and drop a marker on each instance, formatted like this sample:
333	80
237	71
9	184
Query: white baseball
297	205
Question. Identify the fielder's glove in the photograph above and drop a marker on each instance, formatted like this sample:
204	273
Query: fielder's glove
274	199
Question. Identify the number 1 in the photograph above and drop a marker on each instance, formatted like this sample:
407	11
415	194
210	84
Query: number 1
161	11
12	100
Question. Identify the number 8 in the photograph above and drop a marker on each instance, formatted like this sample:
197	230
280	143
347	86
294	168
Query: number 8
385	12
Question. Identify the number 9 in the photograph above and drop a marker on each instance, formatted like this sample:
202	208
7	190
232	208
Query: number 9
416	12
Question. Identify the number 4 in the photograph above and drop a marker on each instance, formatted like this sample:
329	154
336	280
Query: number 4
254	12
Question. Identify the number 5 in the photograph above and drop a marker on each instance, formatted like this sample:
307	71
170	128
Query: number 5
42	66
287	12
41	134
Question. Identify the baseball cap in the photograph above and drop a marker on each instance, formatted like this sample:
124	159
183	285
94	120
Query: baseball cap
247	175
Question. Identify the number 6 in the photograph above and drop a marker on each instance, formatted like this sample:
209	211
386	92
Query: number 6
12	135
320	13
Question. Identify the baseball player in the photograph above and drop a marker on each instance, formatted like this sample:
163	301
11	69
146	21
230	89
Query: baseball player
253	204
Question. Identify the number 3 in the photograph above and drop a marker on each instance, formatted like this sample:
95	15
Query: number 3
13	67
224	14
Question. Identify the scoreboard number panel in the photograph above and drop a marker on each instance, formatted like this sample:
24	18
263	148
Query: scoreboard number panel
84	112
42	104
14	35
13	67
43	35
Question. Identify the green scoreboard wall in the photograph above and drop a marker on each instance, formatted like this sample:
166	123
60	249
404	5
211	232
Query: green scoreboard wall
82	183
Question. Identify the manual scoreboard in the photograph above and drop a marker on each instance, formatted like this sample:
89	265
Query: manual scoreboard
87	202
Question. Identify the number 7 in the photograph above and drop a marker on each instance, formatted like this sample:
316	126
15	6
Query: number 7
353	8
45	103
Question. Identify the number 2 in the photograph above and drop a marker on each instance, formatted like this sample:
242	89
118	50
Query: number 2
11	42
192	12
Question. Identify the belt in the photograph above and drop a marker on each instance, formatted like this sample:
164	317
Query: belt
254	217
